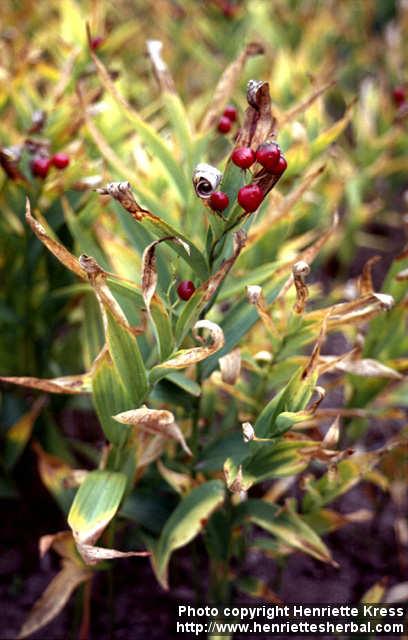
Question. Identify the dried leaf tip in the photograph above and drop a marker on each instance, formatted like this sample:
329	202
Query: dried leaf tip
230	366
154	50
252	89
254	293
248	432
154	421
301	269
386	301
122	192
90	266
206	179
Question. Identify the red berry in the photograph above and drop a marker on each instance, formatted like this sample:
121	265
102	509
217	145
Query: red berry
40	166
243	157
185	289
268	156
224	124
60	160
219	200
250	197
399	95
230	112
96	42
281	165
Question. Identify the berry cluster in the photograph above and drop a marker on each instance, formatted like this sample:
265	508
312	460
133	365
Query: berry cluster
41	164
250	196
228	117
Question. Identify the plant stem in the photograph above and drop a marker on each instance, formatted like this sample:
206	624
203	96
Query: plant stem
86	611
110	537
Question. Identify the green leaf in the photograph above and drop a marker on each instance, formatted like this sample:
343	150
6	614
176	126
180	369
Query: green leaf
286	525
110	398
160	229
156	145
162	327
215	454
329	487
128	361
291	399
275	460
179	121
189	315
148	508
190	386
96	502
186	521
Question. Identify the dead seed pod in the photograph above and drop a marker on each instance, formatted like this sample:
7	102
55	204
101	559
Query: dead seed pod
206	179
252	89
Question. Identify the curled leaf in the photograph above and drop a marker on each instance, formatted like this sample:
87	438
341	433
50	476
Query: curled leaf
149	271
331	438
66	384
206	179
321	394
300	271
230	366
367	367
356	311
366	287
256	297
154	421
186	357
